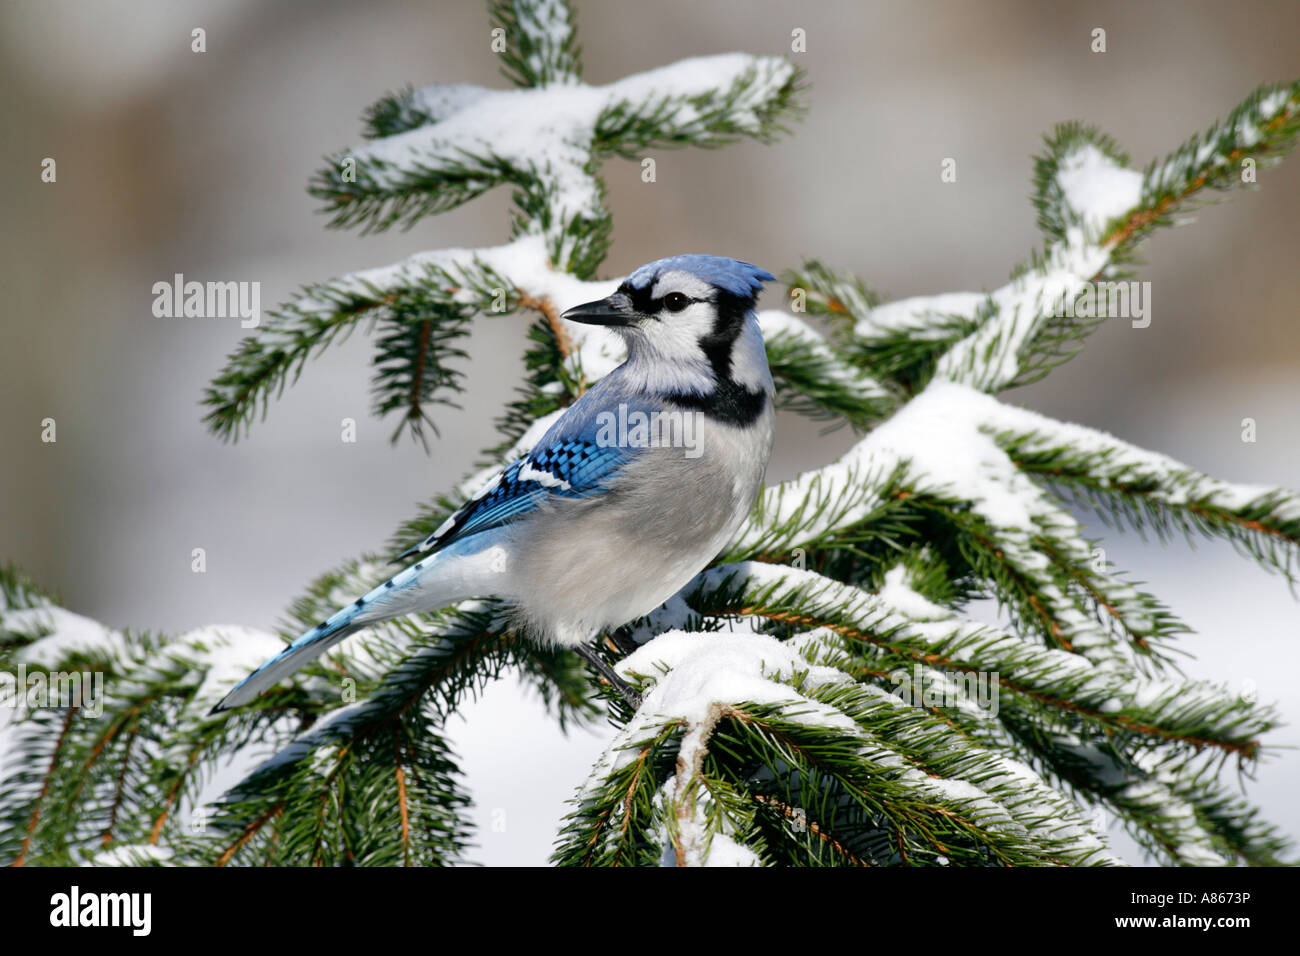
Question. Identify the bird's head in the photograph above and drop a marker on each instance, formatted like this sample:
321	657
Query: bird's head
688	322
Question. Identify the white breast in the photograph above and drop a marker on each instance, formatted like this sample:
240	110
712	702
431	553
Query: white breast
588	565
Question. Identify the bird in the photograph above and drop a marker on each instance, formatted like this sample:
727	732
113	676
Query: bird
627	496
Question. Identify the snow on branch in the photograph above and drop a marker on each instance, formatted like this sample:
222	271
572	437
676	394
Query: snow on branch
435	148
111	735
937	437
708	692
771	728
813	379
539	41
941	451
545	138
1131	485
441	290
1094	211
1094	726
1107	700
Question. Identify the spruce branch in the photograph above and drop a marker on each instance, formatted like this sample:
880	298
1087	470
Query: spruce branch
814	380
1095	211
1129	486
773	729
1108	699
113	776
432	149
1091	239
541	42
544	141
423	307
702	777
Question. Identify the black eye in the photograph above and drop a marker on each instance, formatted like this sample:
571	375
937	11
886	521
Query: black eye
675	302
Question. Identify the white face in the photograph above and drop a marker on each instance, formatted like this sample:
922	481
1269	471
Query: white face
664	350
686	312
667	346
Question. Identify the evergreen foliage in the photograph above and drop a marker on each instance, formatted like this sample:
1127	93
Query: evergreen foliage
784	743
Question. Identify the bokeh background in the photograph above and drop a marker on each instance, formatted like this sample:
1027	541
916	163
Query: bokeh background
173	161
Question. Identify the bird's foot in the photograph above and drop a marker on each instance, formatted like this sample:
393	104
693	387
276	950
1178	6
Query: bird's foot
624	689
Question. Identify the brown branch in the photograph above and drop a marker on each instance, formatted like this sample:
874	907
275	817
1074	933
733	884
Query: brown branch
1083	581
101	743
563	343
686	776
45	788
119	785
788	812
417	375
249	832
1046	617
401	798
715	713
631	792
272	843
1144	217
1247	748
1052	627
544	305
340	759
108	735
919	823
171	797
1125	488
627	803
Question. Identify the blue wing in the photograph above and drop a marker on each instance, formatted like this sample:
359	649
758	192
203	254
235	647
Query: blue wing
567	468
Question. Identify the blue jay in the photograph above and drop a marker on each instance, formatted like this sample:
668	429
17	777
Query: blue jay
628	495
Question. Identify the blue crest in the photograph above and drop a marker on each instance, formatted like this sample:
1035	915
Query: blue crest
739	278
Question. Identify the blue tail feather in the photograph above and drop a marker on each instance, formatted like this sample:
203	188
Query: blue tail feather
319	639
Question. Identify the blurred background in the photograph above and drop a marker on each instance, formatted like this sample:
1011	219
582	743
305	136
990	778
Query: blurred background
173	161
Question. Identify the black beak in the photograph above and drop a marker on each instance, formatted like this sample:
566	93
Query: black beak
616	310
